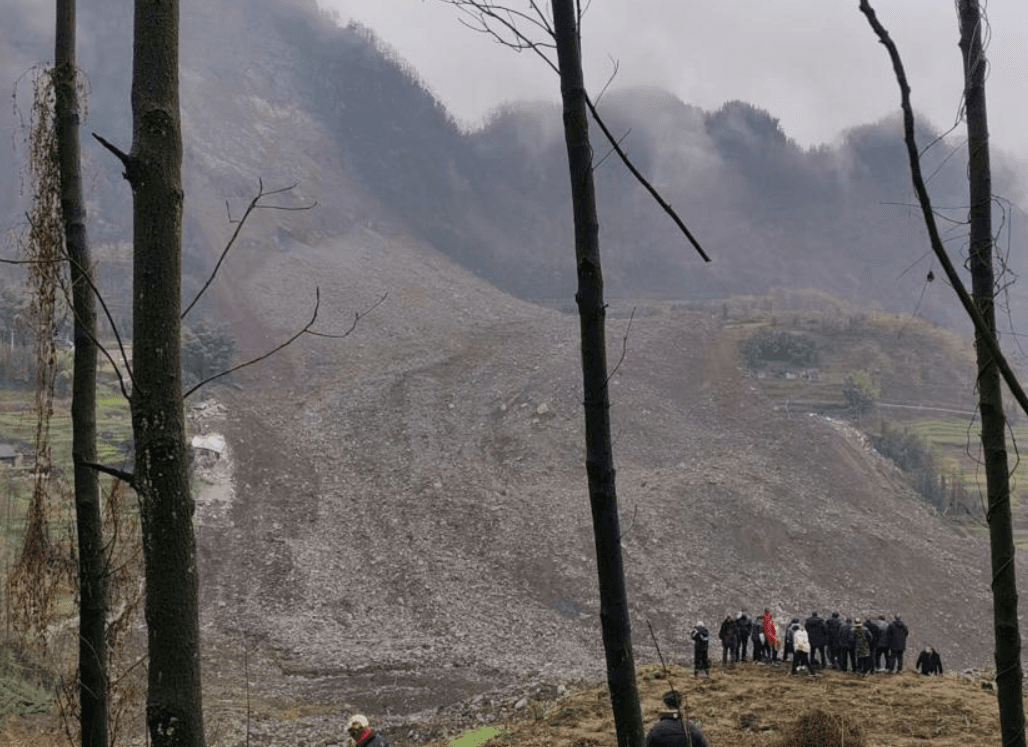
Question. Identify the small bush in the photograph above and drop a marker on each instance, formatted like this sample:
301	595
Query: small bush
819	729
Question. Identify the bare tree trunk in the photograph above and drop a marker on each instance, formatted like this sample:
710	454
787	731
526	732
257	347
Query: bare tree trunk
1004	586
599	460
93	680
161	478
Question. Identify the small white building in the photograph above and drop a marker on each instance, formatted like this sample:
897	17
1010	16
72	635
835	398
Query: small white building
210	445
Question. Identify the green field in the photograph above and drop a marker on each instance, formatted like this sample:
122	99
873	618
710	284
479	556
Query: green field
961	440
18	425
956	443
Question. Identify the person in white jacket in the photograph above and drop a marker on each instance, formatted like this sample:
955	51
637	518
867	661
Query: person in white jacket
801	644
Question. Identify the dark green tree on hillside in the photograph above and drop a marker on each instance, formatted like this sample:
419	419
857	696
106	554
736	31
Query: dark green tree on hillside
861	393
207	350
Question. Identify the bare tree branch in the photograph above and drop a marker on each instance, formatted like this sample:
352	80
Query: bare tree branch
606	155
253	205
938	212
642	180
88	276
19	261
486	14
125	477
306	330
980	325
131	167
107	313
307	326
624	347
356	318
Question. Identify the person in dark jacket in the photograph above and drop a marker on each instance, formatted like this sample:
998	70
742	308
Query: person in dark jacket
729	636
818	635
898	633
757	638
847	641
701	642
832	625
744	625
362	734
871	631
881	650
669	730
929	662
790	646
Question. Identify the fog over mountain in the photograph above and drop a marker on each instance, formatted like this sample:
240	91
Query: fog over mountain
769	212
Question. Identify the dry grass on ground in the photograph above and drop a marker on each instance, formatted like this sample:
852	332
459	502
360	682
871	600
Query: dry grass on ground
744	706
753	704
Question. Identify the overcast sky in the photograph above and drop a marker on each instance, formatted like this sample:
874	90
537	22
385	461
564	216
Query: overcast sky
814	64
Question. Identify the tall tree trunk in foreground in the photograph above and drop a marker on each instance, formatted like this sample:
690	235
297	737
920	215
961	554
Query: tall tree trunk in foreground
154	169
1004	587
599	461
93	680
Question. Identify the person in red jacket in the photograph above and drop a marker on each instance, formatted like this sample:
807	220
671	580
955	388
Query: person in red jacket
770	637
361	733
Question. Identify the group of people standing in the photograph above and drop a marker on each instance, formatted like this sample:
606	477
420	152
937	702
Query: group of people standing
843	643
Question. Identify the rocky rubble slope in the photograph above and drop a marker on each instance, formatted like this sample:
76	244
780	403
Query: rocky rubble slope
406	525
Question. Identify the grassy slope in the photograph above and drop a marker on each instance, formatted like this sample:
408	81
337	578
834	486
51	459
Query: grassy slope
898	710
926	375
